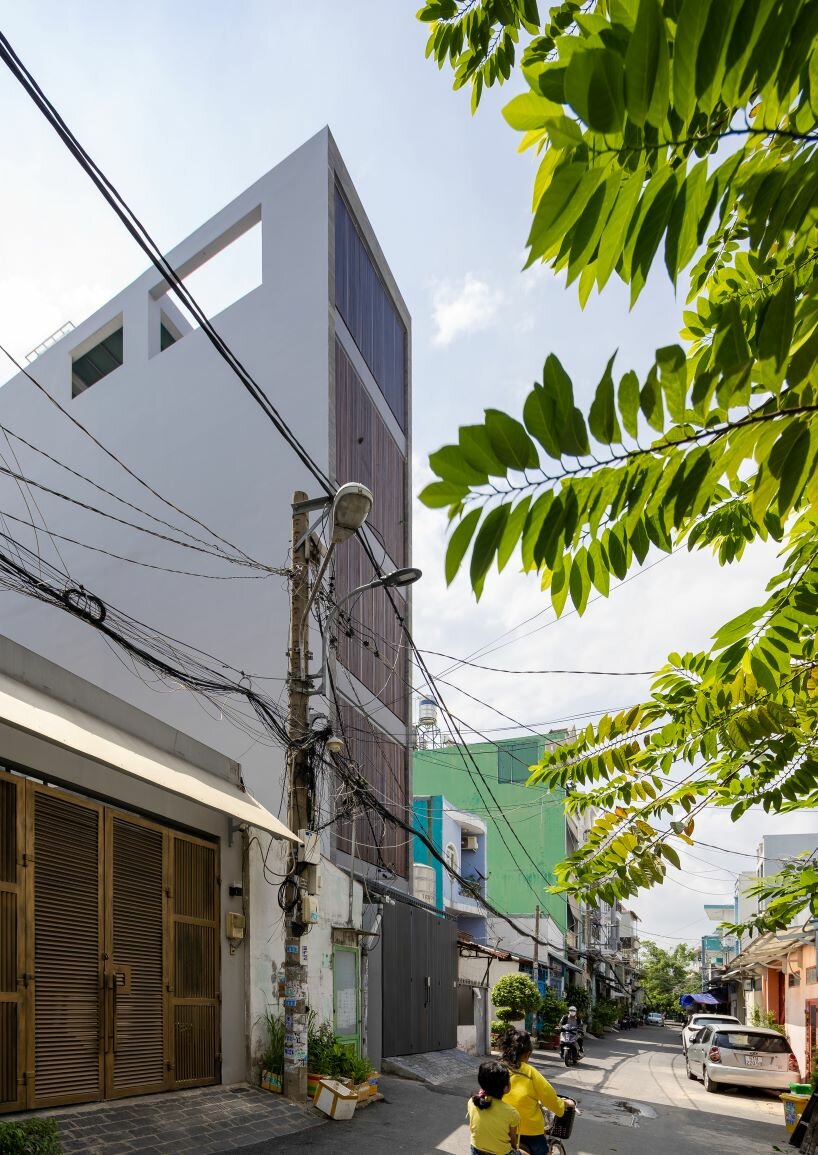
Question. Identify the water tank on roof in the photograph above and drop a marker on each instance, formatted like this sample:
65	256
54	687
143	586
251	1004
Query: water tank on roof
427	712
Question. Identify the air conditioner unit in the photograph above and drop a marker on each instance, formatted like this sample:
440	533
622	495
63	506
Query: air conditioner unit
468	842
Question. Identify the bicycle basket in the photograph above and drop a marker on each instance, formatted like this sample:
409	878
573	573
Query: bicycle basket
562	1125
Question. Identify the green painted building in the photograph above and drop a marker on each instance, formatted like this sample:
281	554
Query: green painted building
536	815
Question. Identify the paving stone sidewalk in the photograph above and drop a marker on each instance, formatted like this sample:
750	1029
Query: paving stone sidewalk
206	1120
436	1067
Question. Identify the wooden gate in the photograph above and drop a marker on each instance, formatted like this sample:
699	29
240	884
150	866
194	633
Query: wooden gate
109	977
419	981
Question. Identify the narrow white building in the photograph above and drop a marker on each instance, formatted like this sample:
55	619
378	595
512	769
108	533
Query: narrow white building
319	321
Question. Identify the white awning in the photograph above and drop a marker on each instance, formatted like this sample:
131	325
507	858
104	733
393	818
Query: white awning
64	725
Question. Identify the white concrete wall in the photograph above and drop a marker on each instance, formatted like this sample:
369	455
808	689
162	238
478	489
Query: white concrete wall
183	421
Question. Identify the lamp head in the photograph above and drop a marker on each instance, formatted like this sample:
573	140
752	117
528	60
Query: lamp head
401	577
350	509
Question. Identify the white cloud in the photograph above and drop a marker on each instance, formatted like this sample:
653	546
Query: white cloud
463	308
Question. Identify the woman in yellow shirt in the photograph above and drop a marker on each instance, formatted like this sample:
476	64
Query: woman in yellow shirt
492	1122
529	1092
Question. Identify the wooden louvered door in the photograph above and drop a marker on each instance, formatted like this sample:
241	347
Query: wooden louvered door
65	921
195	986
13	976
134	965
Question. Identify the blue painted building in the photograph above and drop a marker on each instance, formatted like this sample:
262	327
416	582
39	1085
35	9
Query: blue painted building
460	838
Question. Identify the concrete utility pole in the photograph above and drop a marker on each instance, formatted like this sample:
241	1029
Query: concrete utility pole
295	958
536	960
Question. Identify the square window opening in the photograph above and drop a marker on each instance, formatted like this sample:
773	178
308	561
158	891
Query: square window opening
101	359
222	273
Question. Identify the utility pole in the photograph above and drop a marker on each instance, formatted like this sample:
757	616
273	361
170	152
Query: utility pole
295	956
536	967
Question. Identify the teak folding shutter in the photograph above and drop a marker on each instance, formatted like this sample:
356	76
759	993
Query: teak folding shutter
12	945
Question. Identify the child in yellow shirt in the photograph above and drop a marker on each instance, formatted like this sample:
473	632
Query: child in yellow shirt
492	1122
529	1092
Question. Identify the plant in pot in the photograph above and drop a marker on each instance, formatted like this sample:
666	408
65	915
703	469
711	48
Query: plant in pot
514	996
552	1009
271	1060
321	1049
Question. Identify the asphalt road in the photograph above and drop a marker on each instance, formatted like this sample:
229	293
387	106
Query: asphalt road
634	1096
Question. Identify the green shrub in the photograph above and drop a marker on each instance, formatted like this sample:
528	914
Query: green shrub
515	996
759	1018
321	1043
34	1137
552	1009
580	998
606	1012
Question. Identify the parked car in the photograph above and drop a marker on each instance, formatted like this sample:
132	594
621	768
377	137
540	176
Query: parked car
695	1023
655	1019
724	1056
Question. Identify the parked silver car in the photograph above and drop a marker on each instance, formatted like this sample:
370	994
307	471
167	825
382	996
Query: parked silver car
724	1056
696	1021
655	1019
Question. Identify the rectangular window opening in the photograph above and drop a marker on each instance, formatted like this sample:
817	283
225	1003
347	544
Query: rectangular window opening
221	274
100	360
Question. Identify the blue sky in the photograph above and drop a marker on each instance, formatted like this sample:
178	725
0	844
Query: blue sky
184	105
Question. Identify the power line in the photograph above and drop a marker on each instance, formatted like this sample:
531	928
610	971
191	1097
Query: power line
145	564
124	521
500	670
109	453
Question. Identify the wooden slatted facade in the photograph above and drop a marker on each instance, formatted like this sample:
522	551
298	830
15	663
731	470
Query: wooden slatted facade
367	452
368	311
109	952
385	765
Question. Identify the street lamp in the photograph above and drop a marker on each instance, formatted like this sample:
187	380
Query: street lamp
350	507
396	579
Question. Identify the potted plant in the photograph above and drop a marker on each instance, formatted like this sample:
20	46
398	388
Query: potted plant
321	1051
552	1009
514	997
271	1062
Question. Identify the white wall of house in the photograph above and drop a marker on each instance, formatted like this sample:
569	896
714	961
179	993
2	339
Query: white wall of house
182	420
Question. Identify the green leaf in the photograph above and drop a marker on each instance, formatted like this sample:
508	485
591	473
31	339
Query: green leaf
459	543
650	402
602	416
450	464
560	205
579	582
560	580
730	349
510	442
616	231
486	545
672	364
647	69
682	238
570	430
594	87
529	110
778	319
629	402
477	451
539	414
439	494
670	854
512	532
787	462
689	29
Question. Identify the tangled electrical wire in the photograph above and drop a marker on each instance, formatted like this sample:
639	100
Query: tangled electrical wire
168	659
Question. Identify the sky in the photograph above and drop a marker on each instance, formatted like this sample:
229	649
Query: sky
183	105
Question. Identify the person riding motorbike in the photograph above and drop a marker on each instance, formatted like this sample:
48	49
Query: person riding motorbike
573	1022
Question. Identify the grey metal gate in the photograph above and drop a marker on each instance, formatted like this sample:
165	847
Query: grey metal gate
419	981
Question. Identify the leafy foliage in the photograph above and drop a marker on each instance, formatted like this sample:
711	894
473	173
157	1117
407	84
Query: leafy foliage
759	1018
551	1009
681	131
32	1137
667	974
515	996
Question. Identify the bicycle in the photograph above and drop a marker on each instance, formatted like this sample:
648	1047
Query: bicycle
559	1127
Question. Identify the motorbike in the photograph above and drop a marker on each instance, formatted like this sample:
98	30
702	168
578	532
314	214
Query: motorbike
569	1046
